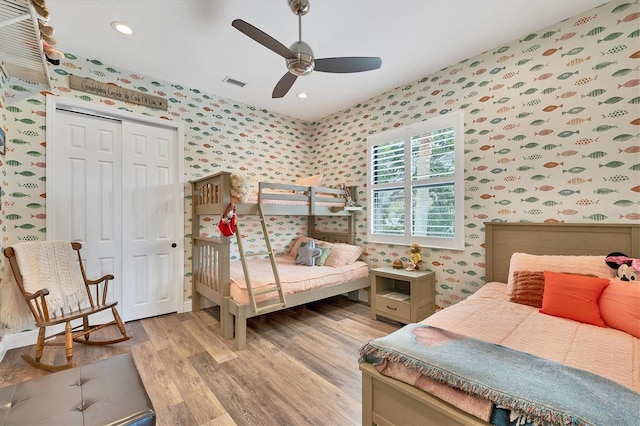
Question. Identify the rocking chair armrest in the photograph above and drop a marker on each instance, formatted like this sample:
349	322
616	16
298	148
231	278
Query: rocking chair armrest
99	280
40	293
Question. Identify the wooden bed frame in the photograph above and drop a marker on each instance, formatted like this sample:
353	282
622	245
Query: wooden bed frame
386	401
211	255
212	194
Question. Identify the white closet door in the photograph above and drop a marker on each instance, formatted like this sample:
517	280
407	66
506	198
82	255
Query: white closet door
114	186
150	211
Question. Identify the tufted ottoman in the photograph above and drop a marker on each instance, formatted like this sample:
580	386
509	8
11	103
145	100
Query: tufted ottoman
104	392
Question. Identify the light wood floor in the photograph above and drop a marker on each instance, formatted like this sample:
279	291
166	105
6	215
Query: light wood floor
300	366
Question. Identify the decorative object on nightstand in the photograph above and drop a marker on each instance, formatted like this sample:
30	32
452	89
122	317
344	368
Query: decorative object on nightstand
403	296
415	259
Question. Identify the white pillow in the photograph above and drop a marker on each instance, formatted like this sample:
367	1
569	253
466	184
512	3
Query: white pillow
558	263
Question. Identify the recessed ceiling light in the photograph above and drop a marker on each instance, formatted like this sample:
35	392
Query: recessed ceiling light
122	27
303	95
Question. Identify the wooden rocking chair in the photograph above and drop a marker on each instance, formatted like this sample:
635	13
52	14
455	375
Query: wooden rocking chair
89	302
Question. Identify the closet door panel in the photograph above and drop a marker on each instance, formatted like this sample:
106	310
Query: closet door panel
83	191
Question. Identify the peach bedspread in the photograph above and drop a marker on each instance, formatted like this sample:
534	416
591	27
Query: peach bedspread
294	278
488	315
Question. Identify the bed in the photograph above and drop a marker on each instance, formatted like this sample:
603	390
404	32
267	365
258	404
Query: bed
219	279
488	327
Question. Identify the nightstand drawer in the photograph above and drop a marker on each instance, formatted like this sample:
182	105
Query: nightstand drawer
397	308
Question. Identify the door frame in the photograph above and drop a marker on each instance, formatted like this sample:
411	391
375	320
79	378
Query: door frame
57	102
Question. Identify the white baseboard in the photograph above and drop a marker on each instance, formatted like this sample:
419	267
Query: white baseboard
28	338
17	340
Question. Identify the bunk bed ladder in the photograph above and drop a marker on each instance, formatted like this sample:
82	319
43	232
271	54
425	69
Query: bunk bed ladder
277	288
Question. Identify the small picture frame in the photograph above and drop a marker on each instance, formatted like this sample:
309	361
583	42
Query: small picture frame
3	143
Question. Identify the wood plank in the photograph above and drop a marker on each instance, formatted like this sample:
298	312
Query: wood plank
200	330
242	402
311	390
178	414
158	335
202	403
179	335
159	385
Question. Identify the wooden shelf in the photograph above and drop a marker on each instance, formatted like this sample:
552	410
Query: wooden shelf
21	52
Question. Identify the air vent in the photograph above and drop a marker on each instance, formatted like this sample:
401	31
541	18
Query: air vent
234	82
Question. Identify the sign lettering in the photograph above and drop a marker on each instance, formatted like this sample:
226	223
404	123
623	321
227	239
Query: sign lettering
116	92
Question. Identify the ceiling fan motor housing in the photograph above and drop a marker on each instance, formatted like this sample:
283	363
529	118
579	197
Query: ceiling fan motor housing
303	63
299	7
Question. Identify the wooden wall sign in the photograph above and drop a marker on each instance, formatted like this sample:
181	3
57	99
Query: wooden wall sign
116	92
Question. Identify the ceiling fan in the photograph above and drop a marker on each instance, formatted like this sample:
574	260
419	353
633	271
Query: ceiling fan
300	59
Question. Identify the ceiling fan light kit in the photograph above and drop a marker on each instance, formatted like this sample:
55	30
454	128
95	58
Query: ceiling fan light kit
299	57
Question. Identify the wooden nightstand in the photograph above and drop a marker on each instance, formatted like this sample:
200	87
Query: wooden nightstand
403	296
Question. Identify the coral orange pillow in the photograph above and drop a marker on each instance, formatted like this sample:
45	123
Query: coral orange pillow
620	306
573	296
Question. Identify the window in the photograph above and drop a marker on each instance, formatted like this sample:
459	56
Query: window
415	187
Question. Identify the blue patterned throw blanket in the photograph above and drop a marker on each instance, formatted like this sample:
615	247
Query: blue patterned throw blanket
543	390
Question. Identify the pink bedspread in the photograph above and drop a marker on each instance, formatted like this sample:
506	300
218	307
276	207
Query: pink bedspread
488	315
294	278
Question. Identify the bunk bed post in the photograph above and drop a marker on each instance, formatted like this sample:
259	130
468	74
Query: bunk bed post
225	182
195	261
226	319
241	326
351	229
311	225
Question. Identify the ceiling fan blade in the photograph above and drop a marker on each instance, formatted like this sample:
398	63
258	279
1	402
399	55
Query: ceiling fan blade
284	85
263	38
347	64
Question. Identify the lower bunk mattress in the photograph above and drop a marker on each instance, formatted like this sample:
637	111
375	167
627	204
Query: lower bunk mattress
487	329
293	277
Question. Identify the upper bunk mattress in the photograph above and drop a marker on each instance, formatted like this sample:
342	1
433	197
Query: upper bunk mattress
253	199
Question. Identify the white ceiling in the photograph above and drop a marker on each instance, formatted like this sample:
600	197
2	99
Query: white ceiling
192	42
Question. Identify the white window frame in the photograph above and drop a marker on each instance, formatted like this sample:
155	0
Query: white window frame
404	134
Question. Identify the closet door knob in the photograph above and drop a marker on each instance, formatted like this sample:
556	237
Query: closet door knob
174	245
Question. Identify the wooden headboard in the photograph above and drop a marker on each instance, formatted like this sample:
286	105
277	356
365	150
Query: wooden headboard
504	239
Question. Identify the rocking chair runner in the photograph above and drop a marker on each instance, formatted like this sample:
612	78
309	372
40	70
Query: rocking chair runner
61	308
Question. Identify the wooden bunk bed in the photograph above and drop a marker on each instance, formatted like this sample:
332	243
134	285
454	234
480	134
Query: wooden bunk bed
386	400
211	277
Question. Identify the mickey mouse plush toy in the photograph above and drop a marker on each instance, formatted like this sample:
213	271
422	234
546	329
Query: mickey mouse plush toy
627	269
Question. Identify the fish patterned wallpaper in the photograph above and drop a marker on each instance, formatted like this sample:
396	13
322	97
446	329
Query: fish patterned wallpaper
551	134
